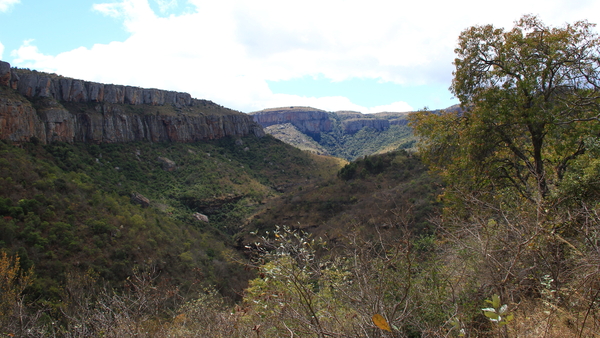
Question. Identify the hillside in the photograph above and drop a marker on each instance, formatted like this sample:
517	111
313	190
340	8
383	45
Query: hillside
108	180
289	134
112	196
111	207
386	191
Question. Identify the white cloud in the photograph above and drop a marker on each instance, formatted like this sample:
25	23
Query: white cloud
6	4
328	103
226	50
165	5
393	107
1	50
28	55
135	13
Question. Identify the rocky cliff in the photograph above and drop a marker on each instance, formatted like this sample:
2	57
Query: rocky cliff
307	120
353	125
55	108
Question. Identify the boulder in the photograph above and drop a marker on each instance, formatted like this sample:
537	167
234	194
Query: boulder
200	217
167	164
137	198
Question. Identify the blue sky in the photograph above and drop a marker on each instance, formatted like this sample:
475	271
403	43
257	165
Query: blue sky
371	56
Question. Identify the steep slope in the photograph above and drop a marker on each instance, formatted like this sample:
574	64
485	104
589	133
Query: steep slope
392	190
289	134
109	209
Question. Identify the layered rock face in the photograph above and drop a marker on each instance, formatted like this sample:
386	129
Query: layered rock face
399	122
36	84
353	125
54	108
307	120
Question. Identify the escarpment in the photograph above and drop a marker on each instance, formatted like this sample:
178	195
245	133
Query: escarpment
55	108
355	124
307	120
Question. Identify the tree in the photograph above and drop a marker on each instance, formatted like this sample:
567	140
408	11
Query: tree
531	106
516	158
13	281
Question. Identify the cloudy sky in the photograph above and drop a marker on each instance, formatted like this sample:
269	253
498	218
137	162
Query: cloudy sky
368	56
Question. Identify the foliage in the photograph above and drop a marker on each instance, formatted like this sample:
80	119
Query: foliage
518	163
13	282
66	209
380	191
366	141
308	288
497	313
531	99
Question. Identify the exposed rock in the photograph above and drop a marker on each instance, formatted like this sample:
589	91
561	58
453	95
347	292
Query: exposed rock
307	120
5	74
71	110
200	217
354	125
36	84
291	135
348	114
167	164
140	199
19	121
399	122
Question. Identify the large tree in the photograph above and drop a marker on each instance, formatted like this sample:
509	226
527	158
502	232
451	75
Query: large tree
530	99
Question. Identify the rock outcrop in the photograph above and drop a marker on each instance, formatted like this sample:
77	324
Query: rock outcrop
353	125
140	199
200	217
348	114
307	120
399	122
167	164
55	108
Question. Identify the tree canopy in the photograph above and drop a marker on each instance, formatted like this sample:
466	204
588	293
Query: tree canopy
531	108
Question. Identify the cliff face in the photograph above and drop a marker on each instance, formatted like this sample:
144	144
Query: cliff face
353	125
307	120
55	108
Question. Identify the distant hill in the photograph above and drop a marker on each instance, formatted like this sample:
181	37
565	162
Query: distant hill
345	134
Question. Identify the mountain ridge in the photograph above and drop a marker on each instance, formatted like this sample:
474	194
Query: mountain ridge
49	108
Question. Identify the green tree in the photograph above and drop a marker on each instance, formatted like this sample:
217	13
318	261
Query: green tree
530	99
515	159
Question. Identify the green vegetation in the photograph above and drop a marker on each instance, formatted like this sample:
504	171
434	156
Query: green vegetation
366	141
520	203
381	191
291	135
67	211
349	146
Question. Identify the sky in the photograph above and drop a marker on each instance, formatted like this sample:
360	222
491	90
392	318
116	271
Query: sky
366	56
